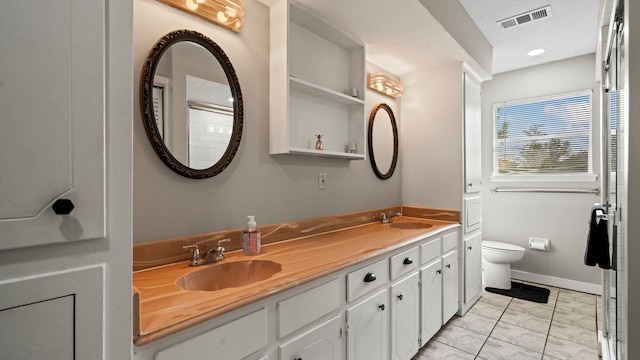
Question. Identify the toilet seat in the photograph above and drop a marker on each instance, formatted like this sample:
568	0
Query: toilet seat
500	246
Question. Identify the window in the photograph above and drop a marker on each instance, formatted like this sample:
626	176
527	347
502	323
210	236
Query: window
548	136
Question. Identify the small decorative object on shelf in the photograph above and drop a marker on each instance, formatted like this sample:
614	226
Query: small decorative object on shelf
353	148
319	144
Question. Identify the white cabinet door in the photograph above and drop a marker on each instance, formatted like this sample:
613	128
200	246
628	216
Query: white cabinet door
472	135
321	343
449	285
52	108
472	267
431	300
405	318
368	328
42	330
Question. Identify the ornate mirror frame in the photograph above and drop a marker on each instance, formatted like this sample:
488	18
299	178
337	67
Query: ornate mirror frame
394	126
148	116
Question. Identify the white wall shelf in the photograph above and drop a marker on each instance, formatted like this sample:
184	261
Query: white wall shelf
318	91
314	69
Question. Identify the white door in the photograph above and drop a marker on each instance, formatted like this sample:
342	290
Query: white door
368	328
449	286
53	119
472	267
405	318
322	343
431	300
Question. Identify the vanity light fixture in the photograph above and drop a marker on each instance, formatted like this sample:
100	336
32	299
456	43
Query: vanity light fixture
226	13
385	85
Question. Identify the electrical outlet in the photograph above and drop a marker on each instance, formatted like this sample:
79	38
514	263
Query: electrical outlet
322	181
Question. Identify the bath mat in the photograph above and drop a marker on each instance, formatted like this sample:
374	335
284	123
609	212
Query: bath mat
524	292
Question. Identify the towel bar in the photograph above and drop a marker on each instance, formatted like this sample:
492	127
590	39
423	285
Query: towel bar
595	191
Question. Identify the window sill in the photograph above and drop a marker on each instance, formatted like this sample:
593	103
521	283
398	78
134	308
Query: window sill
543	178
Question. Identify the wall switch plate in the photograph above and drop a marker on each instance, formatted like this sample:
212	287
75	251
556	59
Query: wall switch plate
322	181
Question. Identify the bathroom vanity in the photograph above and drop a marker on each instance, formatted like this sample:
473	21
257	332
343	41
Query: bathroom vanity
372	291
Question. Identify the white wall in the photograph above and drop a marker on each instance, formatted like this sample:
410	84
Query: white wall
631	267
432	138
274	188
562	218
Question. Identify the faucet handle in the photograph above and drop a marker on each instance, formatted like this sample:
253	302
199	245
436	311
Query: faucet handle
223	241
195	258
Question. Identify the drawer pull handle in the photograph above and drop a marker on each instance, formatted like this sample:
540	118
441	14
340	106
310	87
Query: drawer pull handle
438	271
400	297
370	277
381	307
448	266
63	207
298	358
407	261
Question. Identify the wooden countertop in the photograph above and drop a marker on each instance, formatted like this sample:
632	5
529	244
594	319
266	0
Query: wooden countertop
164	308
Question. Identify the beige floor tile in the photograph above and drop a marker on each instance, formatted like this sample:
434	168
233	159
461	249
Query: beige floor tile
526	321
488	310
461	339
436	351
575	319
495	349
531	308
519	336
574	334
576	307
474	322
563	349
576	296
495	299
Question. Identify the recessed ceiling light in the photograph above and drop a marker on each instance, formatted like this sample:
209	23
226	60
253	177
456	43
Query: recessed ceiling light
536	52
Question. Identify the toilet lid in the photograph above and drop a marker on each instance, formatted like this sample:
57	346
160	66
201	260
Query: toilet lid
500	246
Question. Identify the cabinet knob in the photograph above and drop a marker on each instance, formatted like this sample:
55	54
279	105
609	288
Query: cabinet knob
470	247
298	358
448	266
370	277
407	261
63	207
400	297
438	271
381	307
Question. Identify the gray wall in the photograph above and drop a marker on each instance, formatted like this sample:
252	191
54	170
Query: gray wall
562	218
273	188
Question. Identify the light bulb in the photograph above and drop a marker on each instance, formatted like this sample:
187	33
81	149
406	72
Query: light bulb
192	4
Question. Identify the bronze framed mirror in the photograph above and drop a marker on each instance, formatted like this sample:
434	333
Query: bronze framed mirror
191	104
382	138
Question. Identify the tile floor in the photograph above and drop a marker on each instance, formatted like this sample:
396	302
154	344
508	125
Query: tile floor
500	327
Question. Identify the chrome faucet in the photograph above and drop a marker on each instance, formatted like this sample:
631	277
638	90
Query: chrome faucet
386	219
214	254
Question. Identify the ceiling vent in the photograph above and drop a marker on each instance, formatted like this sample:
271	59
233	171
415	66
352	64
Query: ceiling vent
524	18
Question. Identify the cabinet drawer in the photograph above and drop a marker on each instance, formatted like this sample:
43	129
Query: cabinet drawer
449	242
304	308
323	342
404	262
234	340
430	250
366	279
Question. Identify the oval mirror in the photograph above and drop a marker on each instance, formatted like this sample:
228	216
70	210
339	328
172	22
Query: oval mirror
383	141
191	104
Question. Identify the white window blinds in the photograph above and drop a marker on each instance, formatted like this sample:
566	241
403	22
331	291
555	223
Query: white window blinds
543	136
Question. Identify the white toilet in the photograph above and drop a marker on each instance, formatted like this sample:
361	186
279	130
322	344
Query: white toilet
496	263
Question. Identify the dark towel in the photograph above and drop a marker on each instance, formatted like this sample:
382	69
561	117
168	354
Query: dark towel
597	251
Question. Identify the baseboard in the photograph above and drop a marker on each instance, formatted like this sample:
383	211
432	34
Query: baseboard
590	288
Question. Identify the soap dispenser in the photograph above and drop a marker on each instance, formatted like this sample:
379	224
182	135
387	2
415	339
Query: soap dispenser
251	238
